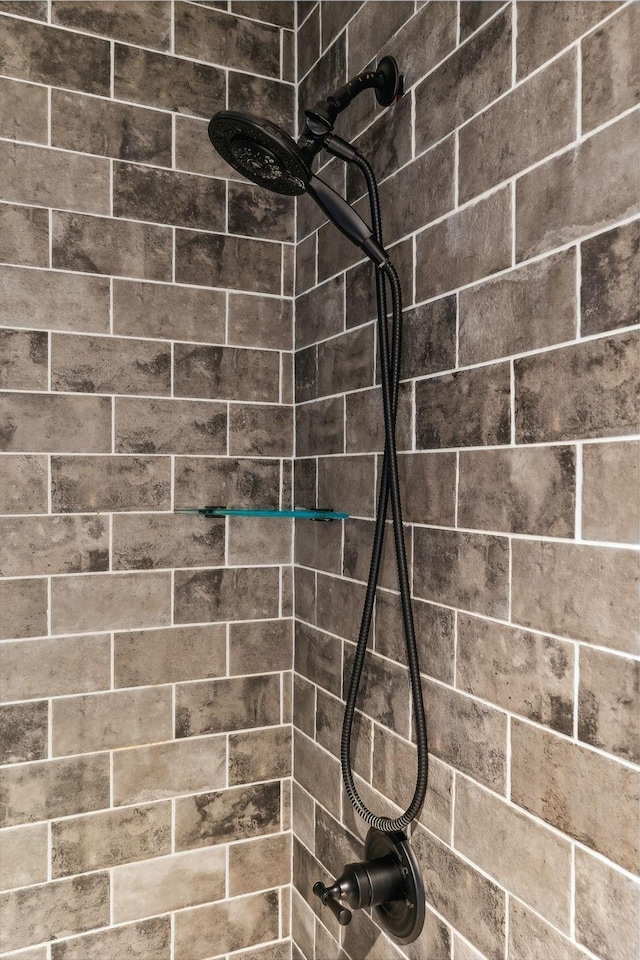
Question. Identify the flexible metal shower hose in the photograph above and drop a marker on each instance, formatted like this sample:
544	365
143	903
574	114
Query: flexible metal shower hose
389	490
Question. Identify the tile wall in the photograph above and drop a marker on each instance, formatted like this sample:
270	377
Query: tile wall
145	364
509	188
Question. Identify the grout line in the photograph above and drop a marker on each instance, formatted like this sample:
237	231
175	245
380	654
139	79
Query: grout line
579	484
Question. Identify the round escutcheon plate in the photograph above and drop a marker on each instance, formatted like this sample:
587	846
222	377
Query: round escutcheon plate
401	919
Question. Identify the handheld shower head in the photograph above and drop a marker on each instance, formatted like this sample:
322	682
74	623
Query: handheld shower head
260	151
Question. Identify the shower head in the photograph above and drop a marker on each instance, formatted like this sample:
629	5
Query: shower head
260	151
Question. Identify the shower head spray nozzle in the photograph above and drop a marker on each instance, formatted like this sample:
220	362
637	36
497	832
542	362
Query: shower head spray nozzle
260	151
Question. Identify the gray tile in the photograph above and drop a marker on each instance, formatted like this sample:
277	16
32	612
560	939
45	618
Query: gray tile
53	178
54	788
110	601
382	692
265	645
318	657
235	814
531	307
23	360
38	52
423	41
525	673
320	427
41	422
610	282
166	770
168	196
23	856
23	484
142	542
24	732
170	426
216	37
260	321
319	313
194	152
473	15
149	657
528	935
46	668
370	28
280	12
346	362
258	540
168	312
24	111
212	260
259	755
317	771
610	73
145	940
334	18
147	24
48	545
545	28
23	608
270	99
598	396
365	424
109	365
256	430
54	301
25	236
110	483
111	720
347	484
241	922
219	706
171	83
582	592
429	338
309	41
101	245
607	909
256	212
468	408
610	508
585	189
434	630
608	703
241	593
227	482
226	373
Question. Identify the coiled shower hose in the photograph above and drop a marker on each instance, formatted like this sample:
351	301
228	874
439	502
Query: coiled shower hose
389	489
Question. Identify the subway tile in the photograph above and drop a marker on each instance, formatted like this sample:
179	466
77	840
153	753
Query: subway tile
145	940
109	365
334	18
473	15
25	235
168	312
142	542
465	898
335	252
428	338
580	191
309	42
608	705
168	197
23	856
260	430
168	883
256	212
232	924
522	672
531	122
101	245
166	770
281	12
607	909
23	608
46	668
23	732
469	79
171	83
240	593
226	373
53	178
434	629
36	10
50	545
365	422
370	28
320	427
24	111
54	910
109	838
259	863
150	657
326	727
427	484
467	408
469	245
170	426
110	601
394	775
269	99
423	41
347	484
544	29
306	870
258	540
518	490
339	604
542	878
36	953
227	482
318	545
260	321
610	509
582	592
38	52
54	788
610	74
54	301
317	771
23	360
236	814
319	313
334	846
531	307
194	153
110	483
217	37
216	706
346	362
588	796
147	24
457	725
259	755
529	935
107	721
215	260
41	422
382	692
598	396
318	658
610	281
258	647
305	257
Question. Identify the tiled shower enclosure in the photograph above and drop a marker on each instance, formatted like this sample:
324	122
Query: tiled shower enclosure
171	687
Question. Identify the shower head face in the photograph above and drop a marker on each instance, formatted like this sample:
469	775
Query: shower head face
260	151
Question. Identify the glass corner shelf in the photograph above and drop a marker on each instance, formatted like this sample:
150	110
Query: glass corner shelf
301	513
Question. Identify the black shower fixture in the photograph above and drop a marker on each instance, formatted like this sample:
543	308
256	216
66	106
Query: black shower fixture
388	879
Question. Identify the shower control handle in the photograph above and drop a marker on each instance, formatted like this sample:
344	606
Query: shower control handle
342	915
